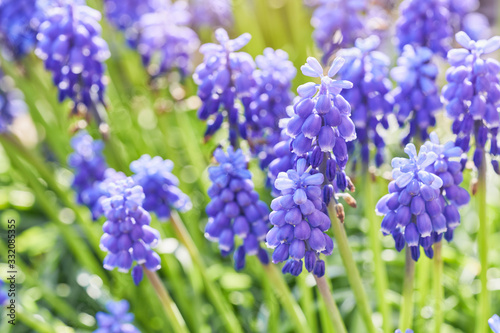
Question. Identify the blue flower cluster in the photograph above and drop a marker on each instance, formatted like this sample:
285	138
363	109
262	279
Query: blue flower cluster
417	96
465	18
4	298
19	21
494	323
166	42
271	96
299	221
160	186
224	77
337	24
127	235
235	208
413	208
118	320
473	95
406	331
212	14
369	98
283	160
320	124
424	23
11	102
70	44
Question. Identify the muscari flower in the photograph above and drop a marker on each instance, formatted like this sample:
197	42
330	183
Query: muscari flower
369	99
127	235
320	123
11	102
299	221
413	208
235	208
424	23
283	160
19	22
71	46
165	41
4	297
270	98
160	186
337	24
213	14
473	95
465	18
494	323
406	331
118	320
416	98
224	77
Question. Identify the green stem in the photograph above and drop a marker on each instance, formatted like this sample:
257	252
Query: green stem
483	243
171	310
331	306
406	315
352	271
438	286
375	245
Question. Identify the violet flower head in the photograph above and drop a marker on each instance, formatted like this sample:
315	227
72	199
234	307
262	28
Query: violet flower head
19	22
71	46
465	18
4	297
494	323
165	40
235	208
12	102
337	24
473	95
416	98
283	160
406	331
424	23
413	209
369	98
271	96
117	320
212	14
160	186
299	223
127	235
225	81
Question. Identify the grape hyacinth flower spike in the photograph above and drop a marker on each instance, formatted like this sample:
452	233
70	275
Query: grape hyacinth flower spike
406	331
299	223
127	235
235	208
71	46
224	80
212	14
160	186
117	320
416	98
494	323
4	297
413	209
12	102
473	96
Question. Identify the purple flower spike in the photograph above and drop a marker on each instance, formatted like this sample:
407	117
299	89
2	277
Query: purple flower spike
235	208
117	320
494	323
4	298
12	102
406	331
213	14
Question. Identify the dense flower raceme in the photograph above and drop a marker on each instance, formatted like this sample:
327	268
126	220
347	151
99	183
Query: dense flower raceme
494	323
4	298
224	77
213	14
337	24
118	320
416	97
413	208
270	98
424	23
11	102
473	95
299	222
160	186
166	42
464	17
127	235
70	43
369	99
19	22
320	123
283	160
235	208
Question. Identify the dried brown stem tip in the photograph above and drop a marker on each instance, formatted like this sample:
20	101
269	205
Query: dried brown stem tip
339	209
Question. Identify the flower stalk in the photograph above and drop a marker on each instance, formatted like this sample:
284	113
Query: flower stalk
330	304
438	286
483	243
406	314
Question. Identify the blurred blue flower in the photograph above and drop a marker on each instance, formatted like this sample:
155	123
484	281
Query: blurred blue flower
127	235
406	331
494	323
413	209
224	77
283	160
424	23
160	186
473	95
416	97
118	320
299	221
4	297
465	18
71	46
235	208
212	14
12	102
369	99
